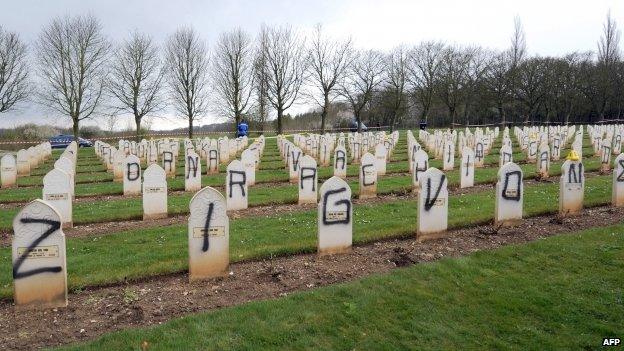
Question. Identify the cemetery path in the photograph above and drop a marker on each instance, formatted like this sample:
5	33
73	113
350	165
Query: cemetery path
154	300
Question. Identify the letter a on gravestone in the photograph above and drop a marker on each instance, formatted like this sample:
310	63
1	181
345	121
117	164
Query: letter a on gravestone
618	182
340	162
208	235
571	187
432	204
509	195
308	181
236	186
154	192
38	254
335	217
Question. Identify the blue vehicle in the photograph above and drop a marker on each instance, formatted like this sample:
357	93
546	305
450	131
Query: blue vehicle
353	126
62	141
241	129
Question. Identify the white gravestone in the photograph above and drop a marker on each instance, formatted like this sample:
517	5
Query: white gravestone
381	154
335	217
192	172
368	177
248	158
308	181
212	160
467	168
57	193
509	195
432	204
208	235
67	165
132	176
169	164
8	171
571	188
506	155
449	156
119	161
154	192
38	256
236	186
294	158
420	165
618	182
543	161
340	162
23	163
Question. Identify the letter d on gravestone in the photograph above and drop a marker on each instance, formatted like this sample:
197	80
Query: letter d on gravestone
38	253
208	235
335	217
432	204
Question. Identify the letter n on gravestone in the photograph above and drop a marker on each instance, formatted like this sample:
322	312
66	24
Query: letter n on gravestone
618	182
38	253
335	217
208	235
192	171
571	188
154	192
432	204
236	186
509	195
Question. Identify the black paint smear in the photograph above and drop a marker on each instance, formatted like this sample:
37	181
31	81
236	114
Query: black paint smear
506	185
346	202
54	226
206	244
310	176
428	201
242	182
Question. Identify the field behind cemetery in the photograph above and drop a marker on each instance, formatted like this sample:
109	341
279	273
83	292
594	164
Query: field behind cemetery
114	259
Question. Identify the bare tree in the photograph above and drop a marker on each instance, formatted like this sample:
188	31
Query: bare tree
285	67
498	82
364	76
136	78
531	81
424	63
261	81
233	73
452	78
329	60
72	54
518	43
14	87
396	83
187	66
608	57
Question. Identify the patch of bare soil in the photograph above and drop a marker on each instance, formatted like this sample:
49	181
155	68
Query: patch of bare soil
155	300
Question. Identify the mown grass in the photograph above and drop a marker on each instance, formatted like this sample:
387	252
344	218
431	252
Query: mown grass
563	292
144	252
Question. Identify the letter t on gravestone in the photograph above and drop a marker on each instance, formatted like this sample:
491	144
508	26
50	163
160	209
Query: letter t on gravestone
236	186
432	204
467	168
618	182
208	235
509	195
38	255
335	217
571	188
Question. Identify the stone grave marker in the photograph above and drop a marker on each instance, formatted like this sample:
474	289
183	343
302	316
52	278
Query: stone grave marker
8	171
335	217
236	186
618	182
432	204
368	177
132	175
308	181
340	162
467	168
571	187
192	171
154	192
509	195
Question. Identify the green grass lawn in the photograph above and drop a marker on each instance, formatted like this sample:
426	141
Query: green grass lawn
564	292
134	254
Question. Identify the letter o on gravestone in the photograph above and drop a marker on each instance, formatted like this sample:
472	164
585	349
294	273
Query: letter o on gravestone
38	253
335	217
208	235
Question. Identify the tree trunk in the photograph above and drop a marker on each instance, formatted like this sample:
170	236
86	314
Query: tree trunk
324	113
280	114
138	128
190	132
359	123
76	129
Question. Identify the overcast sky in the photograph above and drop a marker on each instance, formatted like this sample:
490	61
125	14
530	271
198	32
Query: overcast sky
551	27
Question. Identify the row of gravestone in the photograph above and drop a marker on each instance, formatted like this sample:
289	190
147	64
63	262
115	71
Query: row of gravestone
59	184
39	249
20	165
